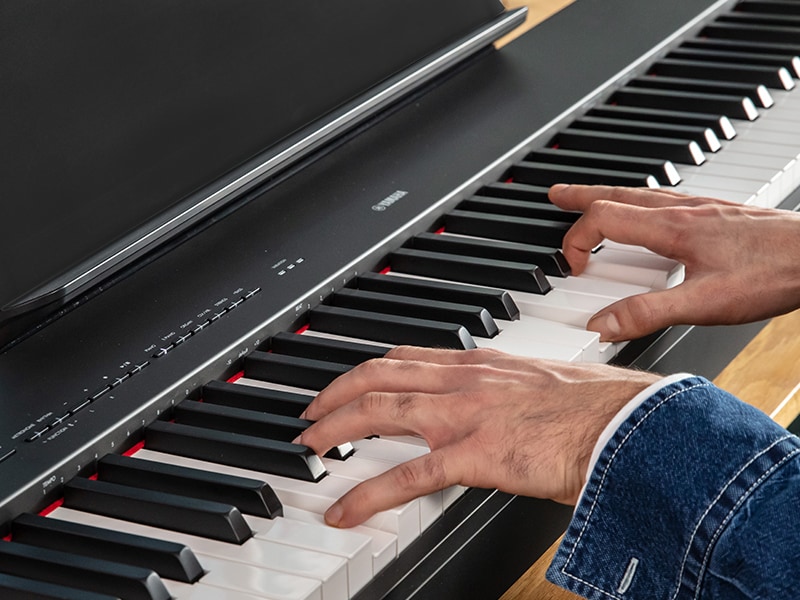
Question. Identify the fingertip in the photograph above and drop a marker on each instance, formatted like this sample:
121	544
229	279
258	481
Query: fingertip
558	188
333	516
607	325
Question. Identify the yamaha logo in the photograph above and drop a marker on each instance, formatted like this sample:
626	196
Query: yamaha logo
389	200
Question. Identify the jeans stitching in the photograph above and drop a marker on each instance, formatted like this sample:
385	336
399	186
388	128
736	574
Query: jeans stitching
746	494
600	485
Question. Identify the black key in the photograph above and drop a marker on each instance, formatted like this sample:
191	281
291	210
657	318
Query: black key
519	208
471	269
168	511
296	371
19	588
329	350
741	55
549	260
250	496
734	107
546	174
168	559
250	422
783	7
92	574
390	329
663	170
787	20
516	191
475	319
750	47
774	77
503	227
236	450
497	301
753	33
250	397
719	124
679	151
757	92
703	136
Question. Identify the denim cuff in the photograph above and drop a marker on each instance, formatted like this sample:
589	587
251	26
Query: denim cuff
663	490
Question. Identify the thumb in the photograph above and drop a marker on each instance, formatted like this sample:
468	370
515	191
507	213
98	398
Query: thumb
639	315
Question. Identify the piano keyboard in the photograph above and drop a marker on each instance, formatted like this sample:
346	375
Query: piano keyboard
189	516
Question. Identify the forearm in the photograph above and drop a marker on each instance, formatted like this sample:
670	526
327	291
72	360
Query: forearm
654	519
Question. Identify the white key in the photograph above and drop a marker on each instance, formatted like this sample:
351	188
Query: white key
395	451
561	306
732	196
201	591
403	521
521	346
725	186
589	284
786	137
360	468
646	270
343	338
225	573
547	332
353	547
329	570
274	386
741	177
384	545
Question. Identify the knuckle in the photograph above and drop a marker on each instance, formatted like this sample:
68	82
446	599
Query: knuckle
403	405
425	474
371	403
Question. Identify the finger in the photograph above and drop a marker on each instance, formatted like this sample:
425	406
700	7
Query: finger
403	483
581	197
440	356
623	223
381	375
374	413
639	315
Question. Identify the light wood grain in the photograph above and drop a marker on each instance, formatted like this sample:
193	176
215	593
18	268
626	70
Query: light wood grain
538	11
766	373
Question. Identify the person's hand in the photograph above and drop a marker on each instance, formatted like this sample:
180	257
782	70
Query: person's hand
742	263
492	420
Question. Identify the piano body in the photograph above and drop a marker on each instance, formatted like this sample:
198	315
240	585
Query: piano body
113	366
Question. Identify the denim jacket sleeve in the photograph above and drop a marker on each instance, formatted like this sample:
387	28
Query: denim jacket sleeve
696	495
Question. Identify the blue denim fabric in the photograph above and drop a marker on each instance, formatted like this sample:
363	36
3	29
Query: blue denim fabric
696	495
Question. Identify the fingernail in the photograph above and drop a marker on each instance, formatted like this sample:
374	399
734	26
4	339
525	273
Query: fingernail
558	187
333	515
298	439
606	325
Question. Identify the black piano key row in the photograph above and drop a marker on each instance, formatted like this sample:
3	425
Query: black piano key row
506	236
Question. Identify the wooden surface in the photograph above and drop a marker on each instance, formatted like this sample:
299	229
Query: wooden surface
766	373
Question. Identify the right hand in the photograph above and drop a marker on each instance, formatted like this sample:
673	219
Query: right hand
742	263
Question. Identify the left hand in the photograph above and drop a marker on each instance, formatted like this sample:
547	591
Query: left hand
492	420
